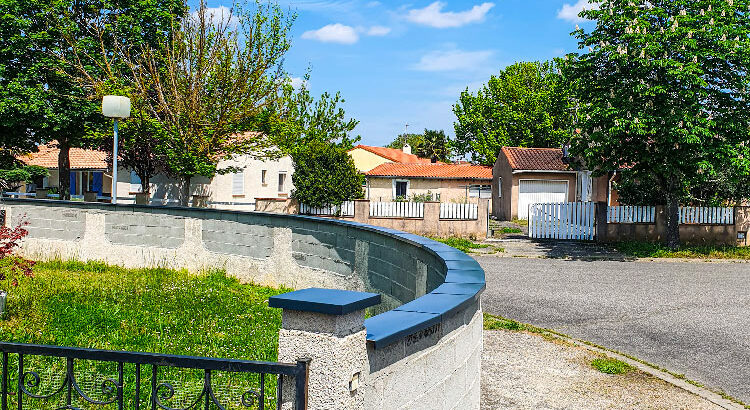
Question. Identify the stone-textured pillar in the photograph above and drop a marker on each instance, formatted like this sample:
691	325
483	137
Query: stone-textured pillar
431	222
362	210
326	326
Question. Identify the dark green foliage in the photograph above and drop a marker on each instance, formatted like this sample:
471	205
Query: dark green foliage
11	179
431	144
527	105
324	173
663	92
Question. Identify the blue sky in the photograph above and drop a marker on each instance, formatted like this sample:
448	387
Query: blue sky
397	62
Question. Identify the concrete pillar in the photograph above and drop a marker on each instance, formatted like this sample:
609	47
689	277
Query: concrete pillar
362	210
326	327
431	222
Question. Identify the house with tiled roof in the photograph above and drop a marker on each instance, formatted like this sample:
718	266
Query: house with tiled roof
524	176
367	157
88	169
91	172
446	182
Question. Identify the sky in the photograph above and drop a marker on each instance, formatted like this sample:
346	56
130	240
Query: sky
397	62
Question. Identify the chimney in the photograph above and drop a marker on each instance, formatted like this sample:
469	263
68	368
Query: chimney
407	149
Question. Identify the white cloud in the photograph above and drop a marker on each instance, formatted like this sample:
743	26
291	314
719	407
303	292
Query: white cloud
373	4
297	82
333	33
217	15
453	60
433	15
378	31
570	12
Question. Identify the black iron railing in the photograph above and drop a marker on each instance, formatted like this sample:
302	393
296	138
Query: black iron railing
22	386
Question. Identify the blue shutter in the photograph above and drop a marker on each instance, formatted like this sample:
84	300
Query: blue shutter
72	183
98	179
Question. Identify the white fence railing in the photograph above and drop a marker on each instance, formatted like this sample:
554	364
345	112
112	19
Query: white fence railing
565	220
397	209
463	212
706	215
346	209
626	214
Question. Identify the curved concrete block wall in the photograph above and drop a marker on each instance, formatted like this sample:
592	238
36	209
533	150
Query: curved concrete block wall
424	340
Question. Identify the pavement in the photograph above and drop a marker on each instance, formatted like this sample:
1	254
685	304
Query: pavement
691	318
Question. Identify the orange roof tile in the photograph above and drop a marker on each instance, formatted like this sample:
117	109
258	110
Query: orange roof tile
395	155
432	171
535	159
79	158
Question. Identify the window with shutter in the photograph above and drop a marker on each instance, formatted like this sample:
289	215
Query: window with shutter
238	183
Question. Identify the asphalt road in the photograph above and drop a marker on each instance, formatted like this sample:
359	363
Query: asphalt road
689	317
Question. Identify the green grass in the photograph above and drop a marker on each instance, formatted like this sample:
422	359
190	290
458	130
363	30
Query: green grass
610	366
521	222
655	250
462	244
148	310
507	230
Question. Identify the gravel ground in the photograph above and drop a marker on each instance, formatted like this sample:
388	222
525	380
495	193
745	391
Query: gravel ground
525	371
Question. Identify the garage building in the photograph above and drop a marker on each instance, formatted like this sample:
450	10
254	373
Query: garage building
524	176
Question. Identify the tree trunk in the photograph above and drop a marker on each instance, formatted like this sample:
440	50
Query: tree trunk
673	222
63	167
186	191
145	183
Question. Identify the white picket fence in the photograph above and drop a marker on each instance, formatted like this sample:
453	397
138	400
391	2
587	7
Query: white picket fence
706	215
397	209
461	212
565	220
627	214
346	209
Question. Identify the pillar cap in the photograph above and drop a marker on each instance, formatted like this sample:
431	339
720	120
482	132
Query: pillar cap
327	301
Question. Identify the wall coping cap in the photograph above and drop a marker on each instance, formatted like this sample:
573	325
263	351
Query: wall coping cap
327	301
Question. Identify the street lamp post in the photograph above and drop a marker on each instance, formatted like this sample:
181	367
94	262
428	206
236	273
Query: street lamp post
117	107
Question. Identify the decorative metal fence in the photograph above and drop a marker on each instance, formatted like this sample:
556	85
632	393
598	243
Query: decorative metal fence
624	214
565	220
122	386
345	209
706	215
397	209
462	212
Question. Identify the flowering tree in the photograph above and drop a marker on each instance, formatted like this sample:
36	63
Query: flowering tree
13	267
662	90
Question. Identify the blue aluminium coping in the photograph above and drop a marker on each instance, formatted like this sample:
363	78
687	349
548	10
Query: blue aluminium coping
464	277
328	301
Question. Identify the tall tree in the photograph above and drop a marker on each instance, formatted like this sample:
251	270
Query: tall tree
40	102
663	92
204	84
527	104
434	146
412	139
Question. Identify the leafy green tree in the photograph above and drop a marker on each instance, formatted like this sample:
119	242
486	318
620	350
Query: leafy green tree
11	179
203	85
527	104
663	92
434	146
414	140
430	144
324	173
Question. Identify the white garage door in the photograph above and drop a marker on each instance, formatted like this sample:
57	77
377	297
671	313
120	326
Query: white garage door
539	191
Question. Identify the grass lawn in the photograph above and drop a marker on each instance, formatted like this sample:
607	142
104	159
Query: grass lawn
466	245
655	250
148	310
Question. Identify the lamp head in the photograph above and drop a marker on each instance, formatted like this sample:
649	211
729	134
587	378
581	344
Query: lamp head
115	106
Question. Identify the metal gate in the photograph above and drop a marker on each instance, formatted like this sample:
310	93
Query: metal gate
565	220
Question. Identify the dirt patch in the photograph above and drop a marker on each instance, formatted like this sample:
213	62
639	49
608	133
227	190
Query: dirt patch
525	371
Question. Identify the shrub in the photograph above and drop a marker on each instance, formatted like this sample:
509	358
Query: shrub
13	267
